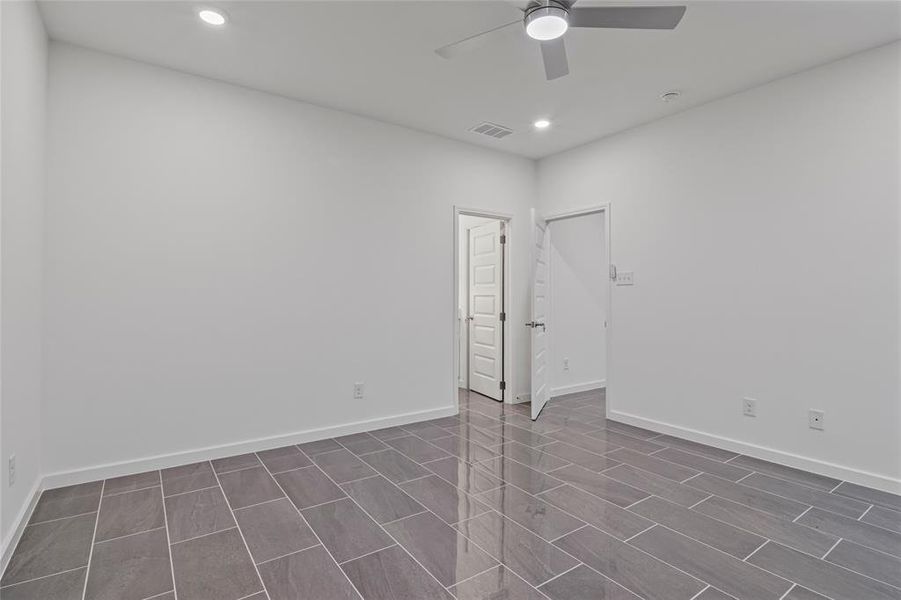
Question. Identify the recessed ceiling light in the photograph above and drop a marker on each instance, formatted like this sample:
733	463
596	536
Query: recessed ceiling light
671	96
547	22
541	124
211	17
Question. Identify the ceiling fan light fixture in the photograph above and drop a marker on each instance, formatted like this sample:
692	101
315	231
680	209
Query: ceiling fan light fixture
211	17
547	22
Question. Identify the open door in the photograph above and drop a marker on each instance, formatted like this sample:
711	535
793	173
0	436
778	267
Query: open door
541	238
486	305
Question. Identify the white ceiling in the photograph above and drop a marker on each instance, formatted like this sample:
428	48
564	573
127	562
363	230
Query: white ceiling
376	58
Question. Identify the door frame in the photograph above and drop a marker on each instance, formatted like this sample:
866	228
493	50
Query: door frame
579	212
507	366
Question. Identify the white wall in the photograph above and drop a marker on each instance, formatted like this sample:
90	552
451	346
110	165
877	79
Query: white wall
466	222
763	232
578	294
22	120
223	264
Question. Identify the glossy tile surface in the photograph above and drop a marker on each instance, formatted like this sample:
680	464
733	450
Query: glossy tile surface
630	567
307	575
274	529
193	514
449	557
382	499
136	566
527	555
585	583
279	460
449	503
67	502
532	512
483	505
345	529
500	583
249	486
342	466
391	574
130	512
308	487
214	566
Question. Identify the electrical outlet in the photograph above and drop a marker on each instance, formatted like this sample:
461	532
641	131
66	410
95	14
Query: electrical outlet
566	364
358	391
749	407
625	278
815	419
12	470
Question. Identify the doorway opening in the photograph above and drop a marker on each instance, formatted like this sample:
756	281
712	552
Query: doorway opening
481	303
571	308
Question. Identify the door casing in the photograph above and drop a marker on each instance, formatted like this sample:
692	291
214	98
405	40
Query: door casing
508	367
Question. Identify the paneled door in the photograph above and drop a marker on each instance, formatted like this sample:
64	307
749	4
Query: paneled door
541	239
486	303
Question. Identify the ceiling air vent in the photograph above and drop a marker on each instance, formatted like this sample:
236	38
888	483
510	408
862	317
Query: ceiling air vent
492	130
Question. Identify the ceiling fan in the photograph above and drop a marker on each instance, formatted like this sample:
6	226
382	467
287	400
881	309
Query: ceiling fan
547	21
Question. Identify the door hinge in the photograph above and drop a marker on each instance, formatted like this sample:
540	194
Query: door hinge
503	316
503	239
503	385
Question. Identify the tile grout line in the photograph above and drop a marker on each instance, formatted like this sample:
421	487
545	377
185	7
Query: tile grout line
631	537
765	542
241	533
560	537
447	587
809	508
209	487
168	539
705	500
745	477
837	542
704	589
128	535
161	594
90	512
9	585
203	535
141	489
281	556
159	474
260	503
788	591
87	572
860	518
576	566
388	547
307	523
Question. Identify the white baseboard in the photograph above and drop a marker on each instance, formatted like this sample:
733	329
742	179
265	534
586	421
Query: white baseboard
578	387
174	459
865	478
18	525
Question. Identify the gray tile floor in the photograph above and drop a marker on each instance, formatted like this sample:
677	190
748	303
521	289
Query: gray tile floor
484	505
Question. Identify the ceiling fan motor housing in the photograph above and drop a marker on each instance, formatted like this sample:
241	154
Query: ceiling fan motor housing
547	20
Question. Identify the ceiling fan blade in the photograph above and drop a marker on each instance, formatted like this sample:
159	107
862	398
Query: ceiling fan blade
472	42
553	53
627	17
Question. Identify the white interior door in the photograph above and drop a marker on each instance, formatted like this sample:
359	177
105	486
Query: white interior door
541	241
486	294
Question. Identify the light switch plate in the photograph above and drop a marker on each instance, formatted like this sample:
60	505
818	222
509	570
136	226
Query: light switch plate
625	278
